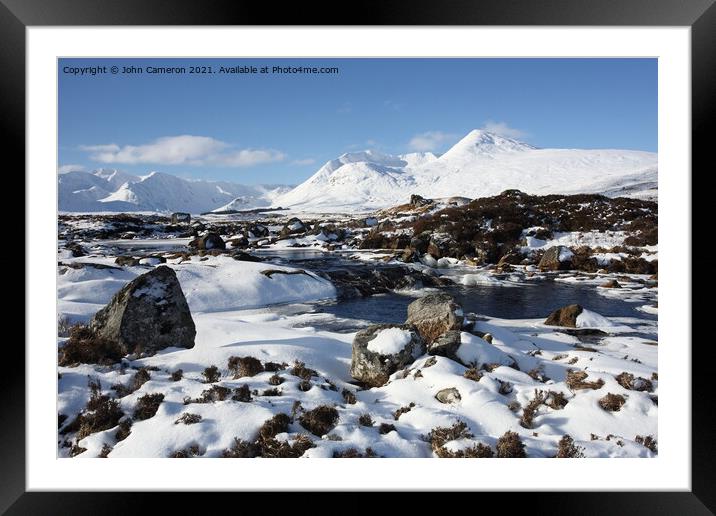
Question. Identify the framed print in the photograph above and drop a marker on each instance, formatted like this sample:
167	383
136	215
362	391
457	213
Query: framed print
431	235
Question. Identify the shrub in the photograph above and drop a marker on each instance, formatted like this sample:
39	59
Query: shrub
386	428
187	453
530	411
472	374
211	374
568	450
365	420
299	369
647	441
140	378
440	435
274	367
275	380
242	393
353	453
85	347
177	375
124	429
245	366
403	410
188	419
320	420
348	396
556	400
105	451
628	381
271	392
147	406
241	450
510	446
276	425
304	385
100	413
612	402
575	381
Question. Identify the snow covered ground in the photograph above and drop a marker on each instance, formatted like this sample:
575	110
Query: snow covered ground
233	306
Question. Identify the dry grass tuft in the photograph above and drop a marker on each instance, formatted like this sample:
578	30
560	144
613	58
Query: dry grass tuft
85	347
647	441
568	450
320	420
403	410
365	420
188	419
472	374
245	366
530	411
510	446
386	428
629	382
349	397
299	369
612	402
211	374
147	406
575	381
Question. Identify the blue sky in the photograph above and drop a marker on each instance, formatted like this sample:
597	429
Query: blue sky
280	128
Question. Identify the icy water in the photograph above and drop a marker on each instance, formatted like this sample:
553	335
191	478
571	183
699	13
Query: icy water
526	300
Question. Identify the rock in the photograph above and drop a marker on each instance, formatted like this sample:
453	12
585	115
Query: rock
240	241
511	258
420	242
294	226
556	258
126	261
487	337
245	257
418	200
257	231
208	241
409	255
434	315
565	316
76	249
611	284
181	217
449	395
148	314
373	367
446	345
369	222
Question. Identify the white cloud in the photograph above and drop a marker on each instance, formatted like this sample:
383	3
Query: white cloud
183	150
503	129
71	168
307	161
430	141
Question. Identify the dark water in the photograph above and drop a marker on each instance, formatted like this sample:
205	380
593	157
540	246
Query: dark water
531	299
535	300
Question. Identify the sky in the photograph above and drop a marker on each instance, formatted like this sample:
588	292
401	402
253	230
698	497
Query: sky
279	127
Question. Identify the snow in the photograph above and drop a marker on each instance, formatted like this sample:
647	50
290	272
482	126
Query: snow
474	350
589	319
479	165
389	341
114	190
565	254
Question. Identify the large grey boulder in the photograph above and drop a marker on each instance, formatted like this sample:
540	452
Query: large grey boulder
434	315
382	349
149	313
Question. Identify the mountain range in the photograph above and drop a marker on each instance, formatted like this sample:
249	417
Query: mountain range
480	164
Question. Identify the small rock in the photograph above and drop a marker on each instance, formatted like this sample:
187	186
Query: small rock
611	284
208	241
446	344
448	396
565	316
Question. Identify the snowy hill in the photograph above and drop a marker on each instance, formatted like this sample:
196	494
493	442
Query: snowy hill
481	164
113	190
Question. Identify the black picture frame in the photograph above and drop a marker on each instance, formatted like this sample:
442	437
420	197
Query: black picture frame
700	15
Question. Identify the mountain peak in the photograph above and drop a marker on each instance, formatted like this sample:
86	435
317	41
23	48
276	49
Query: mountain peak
482	141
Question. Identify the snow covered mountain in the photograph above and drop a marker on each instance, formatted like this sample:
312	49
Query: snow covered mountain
481	164
113	190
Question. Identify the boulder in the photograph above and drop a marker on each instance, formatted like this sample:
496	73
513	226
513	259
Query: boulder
148	314
126	261
245	257
418	200
565	316
435	314
257	231
181	217
208	241
611	284
446	345
382	349
556	258
294	226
